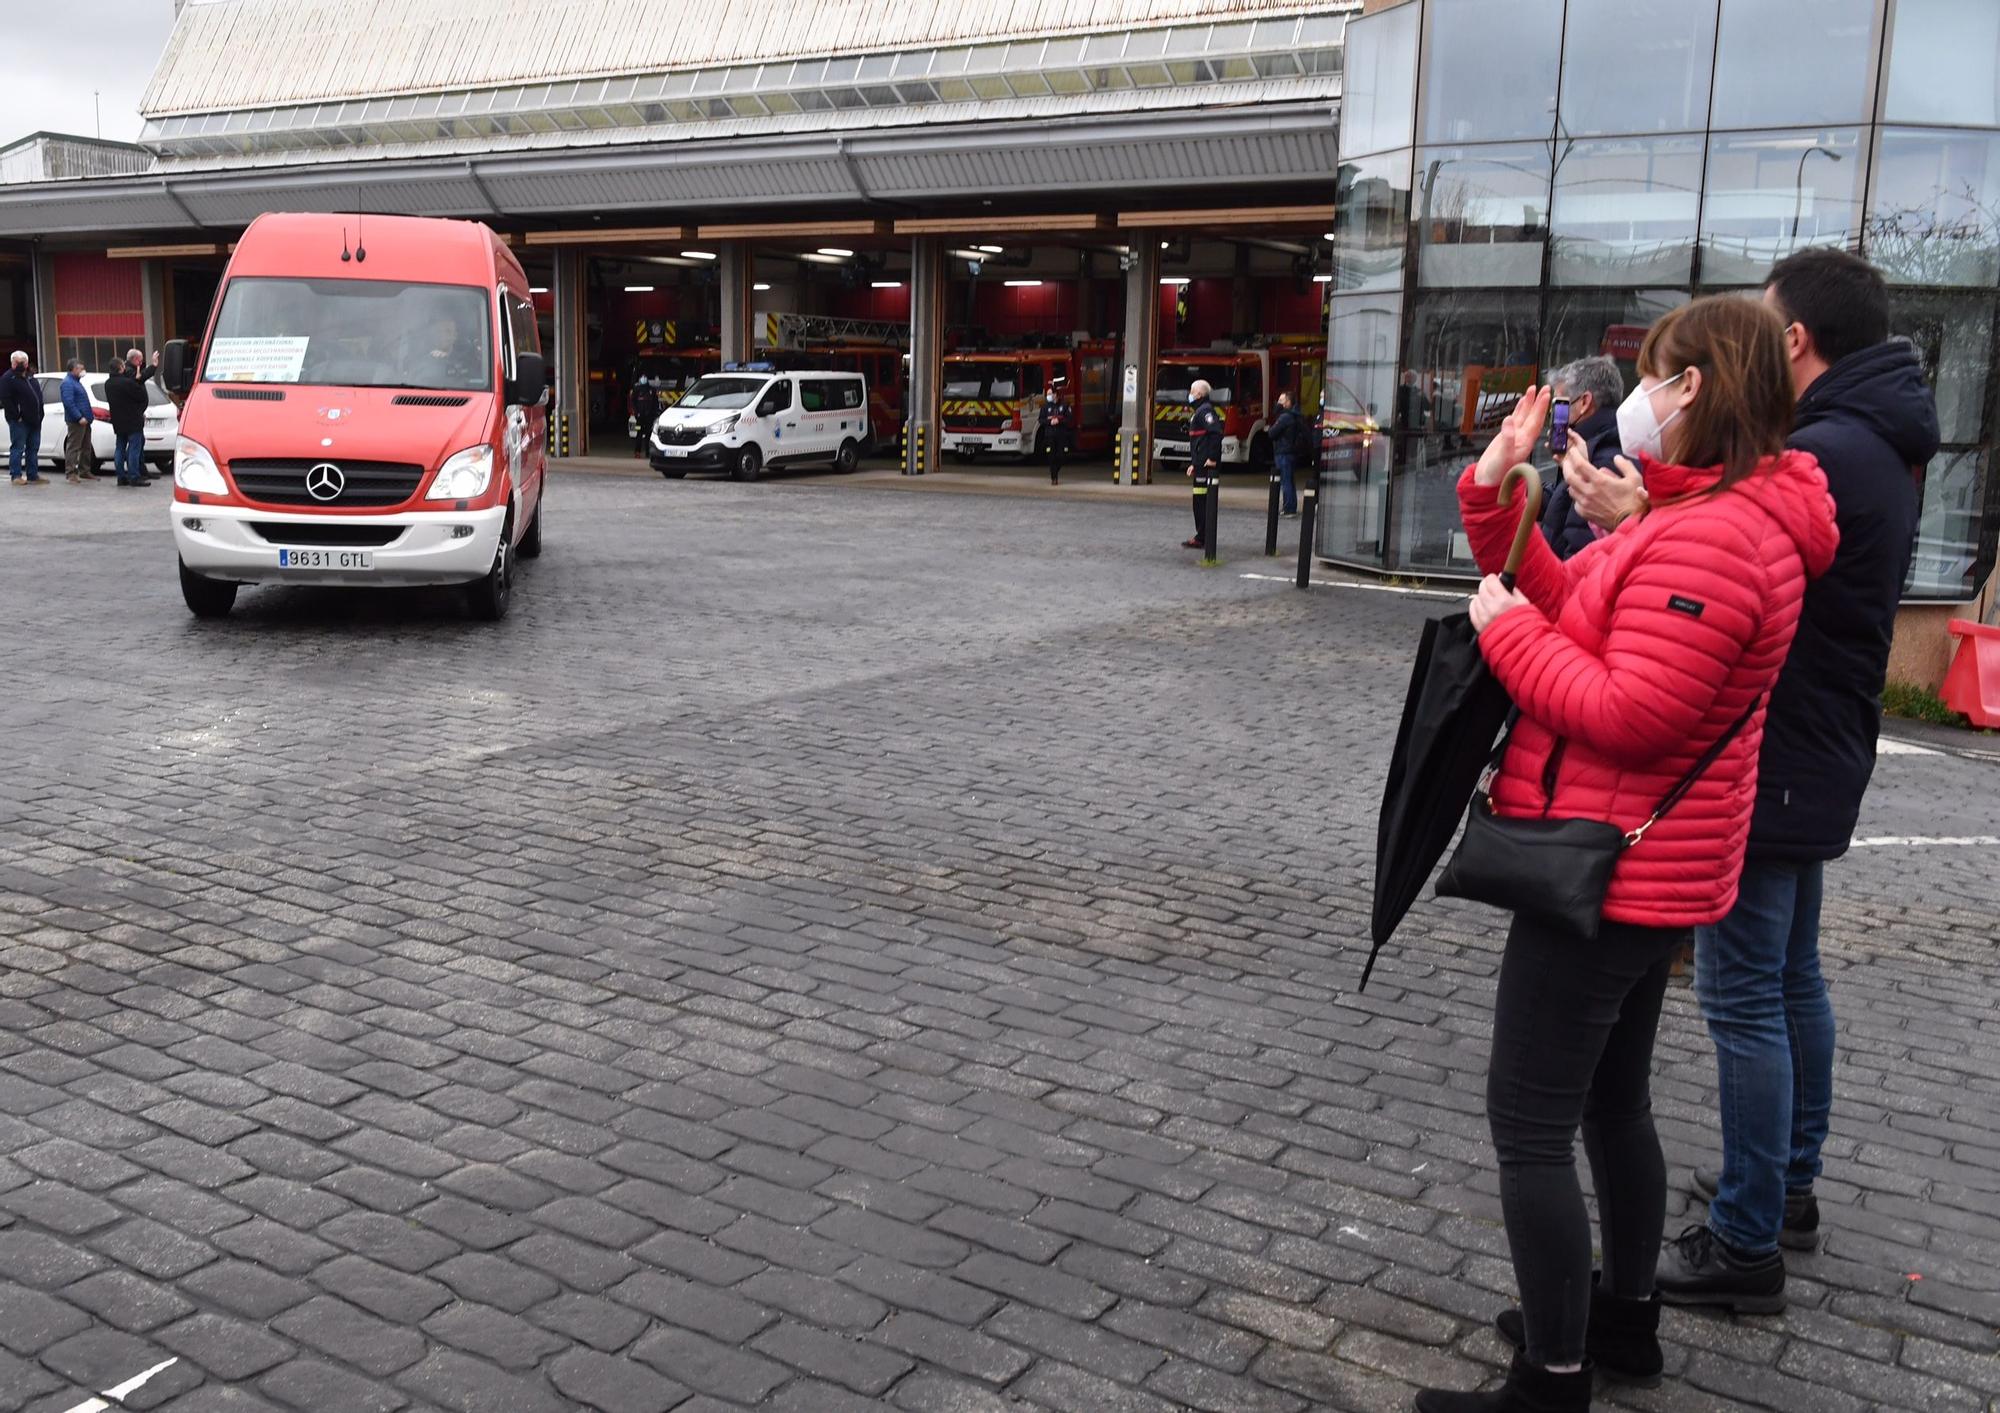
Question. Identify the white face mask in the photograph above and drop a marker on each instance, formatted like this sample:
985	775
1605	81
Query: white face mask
1640	431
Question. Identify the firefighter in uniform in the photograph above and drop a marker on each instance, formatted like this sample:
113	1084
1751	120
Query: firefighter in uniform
645	412
1058	431
1204	456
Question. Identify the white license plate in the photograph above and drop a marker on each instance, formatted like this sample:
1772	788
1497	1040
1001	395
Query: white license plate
325	559
673	451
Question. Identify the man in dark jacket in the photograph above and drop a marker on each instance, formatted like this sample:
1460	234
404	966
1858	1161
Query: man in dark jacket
21	400
125	395
1594	388
1288	434
1058	430
1204	456
1866	412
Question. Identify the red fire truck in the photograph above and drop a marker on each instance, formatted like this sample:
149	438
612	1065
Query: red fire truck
1244	384
991	400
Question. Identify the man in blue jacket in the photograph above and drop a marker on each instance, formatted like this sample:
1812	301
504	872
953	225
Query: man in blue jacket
1866	412
21	402
77	418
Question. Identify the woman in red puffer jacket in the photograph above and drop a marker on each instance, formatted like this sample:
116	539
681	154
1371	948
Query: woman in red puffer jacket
1627	663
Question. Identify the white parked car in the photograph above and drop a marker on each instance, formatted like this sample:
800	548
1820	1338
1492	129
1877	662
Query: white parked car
163	423
749	416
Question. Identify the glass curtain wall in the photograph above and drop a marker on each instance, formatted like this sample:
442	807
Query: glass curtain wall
1633	157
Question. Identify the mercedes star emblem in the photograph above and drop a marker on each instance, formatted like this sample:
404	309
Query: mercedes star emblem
324	482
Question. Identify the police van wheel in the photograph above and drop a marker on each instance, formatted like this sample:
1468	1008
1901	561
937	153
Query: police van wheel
206	598
487	598
749	464
847	458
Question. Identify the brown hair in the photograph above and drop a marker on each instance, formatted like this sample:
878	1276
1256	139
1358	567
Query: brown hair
1744	410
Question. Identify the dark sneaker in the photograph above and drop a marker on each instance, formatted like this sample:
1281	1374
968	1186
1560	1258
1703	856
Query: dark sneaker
1700	1268
1193	543
1800	1231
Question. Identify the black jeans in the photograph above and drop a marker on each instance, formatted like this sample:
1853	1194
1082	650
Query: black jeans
1573	1031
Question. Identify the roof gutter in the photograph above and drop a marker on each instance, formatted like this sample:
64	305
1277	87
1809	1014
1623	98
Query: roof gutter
167	190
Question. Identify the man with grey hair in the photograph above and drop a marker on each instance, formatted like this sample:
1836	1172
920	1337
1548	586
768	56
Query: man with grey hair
21	400
1204	455
1594	388
125	395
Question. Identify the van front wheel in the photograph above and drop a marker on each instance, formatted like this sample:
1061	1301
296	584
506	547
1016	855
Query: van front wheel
486	598
749	463
206	598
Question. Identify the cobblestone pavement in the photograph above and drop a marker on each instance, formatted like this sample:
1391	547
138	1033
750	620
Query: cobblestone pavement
828	950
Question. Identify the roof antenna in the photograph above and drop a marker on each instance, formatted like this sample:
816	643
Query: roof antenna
360	248
345	254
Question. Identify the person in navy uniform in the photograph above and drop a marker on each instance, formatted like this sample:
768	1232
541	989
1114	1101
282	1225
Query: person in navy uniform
1058	430
1204	455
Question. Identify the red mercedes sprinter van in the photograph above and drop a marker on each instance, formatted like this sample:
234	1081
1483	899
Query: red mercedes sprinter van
367	410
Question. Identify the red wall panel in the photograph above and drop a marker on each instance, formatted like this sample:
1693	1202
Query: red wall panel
97	296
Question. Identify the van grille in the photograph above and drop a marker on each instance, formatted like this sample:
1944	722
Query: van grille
681	436
250	394
330	533
965	422
367	482
429	400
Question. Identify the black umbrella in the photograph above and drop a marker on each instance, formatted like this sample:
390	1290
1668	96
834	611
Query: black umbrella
1451	715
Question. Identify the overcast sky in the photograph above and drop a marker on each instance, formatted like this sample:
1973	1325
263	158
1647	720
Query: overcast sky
56	55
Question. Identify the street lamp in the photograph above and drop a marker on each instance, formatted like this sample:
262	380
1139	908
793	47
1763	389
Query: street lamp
1799	183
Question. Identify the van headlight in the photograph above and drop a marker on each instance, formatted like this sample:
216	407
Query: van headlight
464	475
727	424
195	469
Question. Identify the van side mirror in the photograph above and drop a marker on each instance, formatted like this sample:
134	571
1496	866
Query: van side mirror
176	368
530	380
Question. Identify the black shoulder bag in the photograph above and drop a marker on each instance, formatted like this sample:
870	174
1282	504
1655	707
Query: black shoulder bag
1557	870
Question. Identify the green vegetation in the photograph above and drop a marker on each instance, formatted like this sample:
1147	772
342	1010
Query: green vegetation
1919	703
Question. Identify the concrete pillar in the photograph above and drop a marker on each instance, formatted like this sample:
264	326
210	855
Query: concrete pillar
572	353
47	350
927	325
737	272
153	303
1138	360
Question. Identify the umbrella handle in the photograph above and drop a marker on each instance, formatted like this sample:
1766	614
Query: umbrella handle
1530	481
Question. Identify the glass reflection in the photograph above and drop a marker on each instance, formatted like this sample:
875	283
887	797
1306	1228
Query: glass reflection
1953	334
1379	85
1355	442
1471	356
1625	211
1637	66
1490	69
1825	77
1372	218
1772	193
1934	218
1581	323
1948	526
1944	63
1483	216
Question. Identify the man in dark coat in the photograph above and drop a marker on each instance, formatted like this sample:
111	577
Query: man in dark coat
1058	430
1594	388
1866	412
125	396
645	412
1204	455
1288	438
21	400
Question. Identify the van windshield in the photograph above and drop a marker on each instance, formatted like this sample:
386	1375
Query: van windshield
352	334
1177	378
723	393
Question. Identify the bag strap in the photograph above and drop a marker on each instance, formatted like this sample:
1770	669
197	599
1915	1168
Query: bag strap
1695	772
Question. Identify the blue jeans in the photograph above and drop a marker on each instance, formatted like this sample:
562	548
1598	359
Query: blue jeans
1288	493
1757	976
129	456
24	449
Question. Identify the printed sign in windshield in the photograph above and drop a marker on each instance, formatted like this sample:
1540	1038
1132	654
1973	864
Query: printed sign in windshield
257	360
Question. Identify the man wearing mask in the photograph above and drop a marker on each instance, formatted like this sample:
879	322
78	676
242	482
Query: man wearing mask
1287	434
1866	411
1594	388
125	395
21	400
77	418
645	412
1204	455
1058	430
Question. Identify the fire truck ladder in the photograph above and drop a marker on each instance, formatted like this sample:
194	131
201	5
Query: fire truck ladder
794	330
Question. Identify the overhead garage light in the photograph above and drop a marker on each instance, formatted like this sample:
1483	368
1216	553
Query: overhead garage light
973	255
1024	284
538	289
1331	236
991	249
885	284
1322	279
638	289
835	251
1174	280
760	287
699	254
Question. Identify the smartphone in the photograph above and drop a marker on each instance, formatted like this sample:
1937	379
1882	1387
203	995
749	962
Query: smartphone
1559	426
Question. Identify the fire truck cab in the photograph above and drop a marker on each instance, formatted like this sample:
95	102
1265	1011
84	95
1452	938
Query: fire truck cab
1244	384
991	400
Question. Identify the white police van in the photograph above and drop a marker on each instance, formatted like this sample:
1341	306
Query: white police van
750	415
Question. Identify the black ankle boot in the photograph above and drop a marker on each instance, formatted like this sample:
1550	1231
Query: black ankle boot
1527	1390
1623	1340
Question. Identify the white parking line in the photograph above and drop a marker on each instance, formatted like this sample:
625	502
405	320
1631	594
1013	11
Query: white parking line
1890	746
118	1392
1934	841
1351	584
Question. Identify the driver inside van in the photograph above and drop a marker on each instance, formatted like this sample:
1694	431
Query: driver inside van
446	358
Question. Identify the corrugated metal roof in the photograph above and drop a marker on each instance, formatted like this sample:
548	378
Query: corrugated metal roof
234	54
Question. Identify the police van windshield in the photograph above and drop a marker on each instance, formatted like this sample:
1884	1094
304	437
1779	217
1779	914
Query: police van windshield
1177	378
723	393
990	380
352	333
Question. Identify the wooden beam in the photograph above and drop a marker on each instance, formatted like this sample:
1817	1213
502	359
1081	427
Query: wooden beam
628	235
161	252
785	230
1318	217
1071	223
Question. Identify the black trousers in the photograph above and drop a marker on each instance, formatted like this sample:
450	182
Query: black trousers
1573	1030
1206	484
